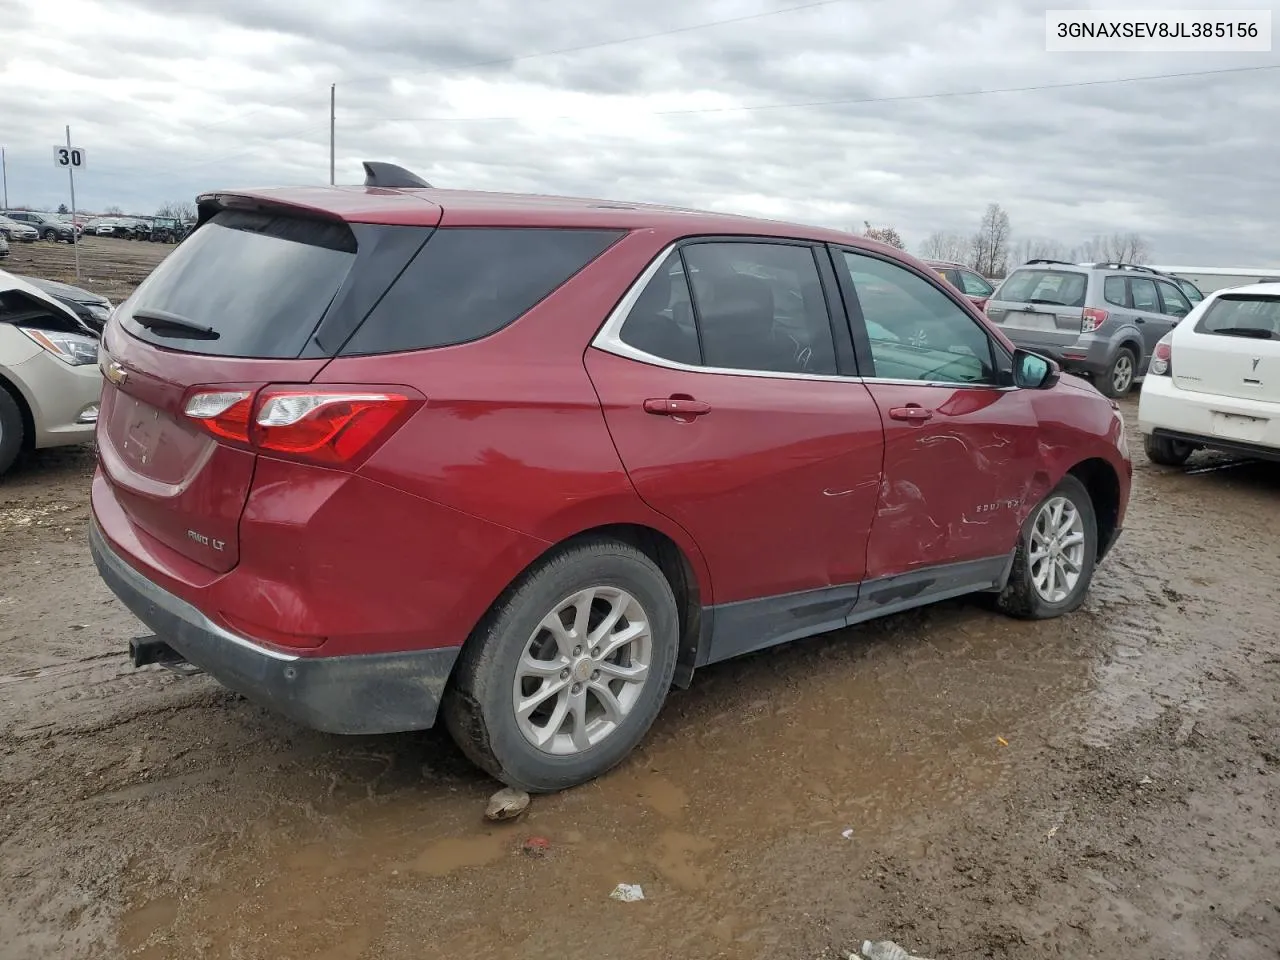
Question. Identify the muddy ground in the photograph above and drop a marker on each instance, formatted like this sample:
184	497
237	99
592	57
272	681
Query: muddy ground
108	266
1105	785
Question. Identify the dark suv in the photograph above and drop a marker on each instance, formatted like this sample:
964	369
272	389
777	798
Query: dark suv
369	452
1101	320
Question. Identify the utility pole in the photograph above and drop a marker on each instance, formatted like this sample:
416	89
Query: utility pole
333	102
71	177
4	174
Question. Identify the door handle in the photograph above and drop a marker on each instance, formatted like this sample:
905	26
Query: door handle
681	408
912	413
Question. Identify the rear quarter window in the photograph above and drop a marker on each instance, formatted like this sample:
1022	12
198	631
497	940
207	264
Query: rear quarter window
469	282
1061	287
1113	291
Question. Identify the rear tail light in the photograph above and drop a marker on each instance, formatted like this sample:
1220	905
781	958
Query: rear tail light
326	425
1162	357
1093	318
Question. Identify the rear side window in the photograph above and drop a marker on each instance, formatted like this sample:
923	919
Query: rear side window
1242	316
660	322
974	285
1058	287
258	283
469	282
1113	291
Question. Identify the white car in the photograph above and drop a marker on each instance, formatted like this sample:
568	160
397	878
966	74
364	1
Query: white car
1214	380
50	383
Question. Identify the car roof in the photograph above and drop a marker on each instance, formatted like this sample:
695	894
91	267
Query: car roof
1251	289
428	206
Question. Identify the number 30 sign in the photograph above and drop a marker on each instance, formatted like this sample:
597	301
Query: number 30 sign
69	157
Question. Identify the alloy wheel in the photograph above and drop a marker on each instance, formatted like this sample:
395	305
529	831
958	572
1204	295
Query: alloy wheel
1057	549
583	670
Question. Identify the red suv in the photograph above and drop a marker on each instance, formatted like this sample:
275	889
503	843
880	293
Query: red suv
367	453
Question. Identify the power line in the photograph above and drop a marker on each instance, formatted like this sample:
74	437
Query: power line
844	102
520	58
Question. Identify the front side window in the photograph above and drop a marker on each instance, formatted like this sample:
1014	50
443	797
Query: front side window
974	285
916	331
1175	304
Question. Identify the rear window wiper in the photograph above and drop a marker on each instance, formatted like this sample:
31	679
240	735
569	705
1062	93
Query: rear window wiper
1054	303
158	321
1257	333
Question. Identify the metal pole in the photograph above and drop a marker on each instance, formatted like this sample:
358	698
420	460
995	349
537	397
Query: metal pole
333	100
4	174
71	177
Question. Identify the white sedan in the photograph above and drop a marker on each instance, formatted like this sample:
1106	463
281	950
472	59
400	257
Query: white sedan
1214	380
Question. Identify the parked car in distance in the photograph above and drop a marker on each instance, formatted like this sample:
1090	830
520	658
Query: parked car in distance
49	379
166	230
1101	320
4	246
1214	382
15	230
93	309
121	227
529	461
973	285
48	226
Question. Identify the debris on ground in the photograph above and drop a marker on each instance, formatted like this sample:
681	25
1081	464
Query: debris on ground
884	950
536	846
847	834
627	893
507	804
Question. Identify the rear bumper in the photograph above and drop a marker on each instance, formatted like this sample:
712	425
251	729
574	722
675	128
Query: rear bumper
1083	354
1236	425
358	694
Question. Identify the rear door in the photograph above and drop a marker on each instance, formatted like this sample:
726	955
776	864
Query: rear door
231	310
960	449
1147	312
1233	350
734	417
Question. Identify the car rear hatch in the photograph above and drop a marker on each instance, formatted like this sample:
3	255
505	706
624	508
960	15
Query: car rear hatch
1233	350
1044	304
262	292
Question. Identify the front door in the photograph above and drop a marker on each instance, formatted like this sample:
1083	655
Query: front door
732	418
960	448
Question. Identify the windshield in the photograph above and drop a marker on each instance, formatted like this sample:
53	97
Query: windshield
1059	287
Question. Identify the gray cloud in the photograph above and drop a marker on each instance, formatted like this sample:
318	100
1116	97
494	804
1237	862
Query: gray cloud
234	92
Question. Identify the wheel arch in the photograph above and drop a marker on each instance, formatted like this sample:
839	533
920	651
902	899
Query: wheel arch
24	409
1103	484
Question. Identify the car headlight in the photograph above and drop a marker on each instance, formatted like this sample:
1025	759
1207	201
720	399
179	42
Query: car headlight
99	311
70	348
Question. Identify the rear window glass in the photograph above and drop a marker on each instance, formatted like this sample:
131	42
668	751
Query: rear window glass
259	282
1113	291
469	282
1058	287
1256	317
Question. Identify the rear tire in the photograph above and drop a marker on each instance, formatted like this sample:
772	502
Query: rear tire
1040	584
11	430
587	717
1117	381
1166	451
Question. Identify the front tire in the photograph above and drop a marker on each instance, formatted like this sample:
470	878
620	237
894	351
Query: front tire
566	673
51	236
1166	451
11	430
1056	554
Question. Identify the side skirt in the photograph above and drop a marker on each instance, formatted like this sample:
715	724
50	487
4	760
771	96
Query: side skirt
733	629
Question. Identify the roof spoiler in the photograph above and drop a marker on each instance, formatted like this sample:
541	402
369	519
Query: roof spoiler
391	176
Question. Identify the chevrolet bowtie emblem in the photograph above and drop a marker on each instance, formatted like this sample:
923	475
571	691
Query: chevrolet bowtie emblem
116	373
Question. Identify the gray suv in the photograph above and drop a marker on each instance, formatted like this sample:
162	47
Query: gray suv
46	224
1101	320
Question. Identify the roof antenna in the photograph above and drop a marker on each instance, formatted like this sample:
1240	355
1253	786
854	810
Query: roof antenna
391	176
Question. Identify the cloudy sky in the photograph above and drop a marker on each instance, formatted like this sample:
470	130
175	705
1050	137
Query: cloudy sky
831	112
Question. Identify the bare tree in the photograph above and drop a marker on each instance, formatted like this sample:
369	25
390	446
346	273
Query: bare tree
884	234
1117	248
990	252
1036	248
114	211
940	245
177	210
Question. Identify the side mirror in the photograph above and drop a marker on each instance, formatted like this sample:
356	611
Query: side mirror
1034	372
